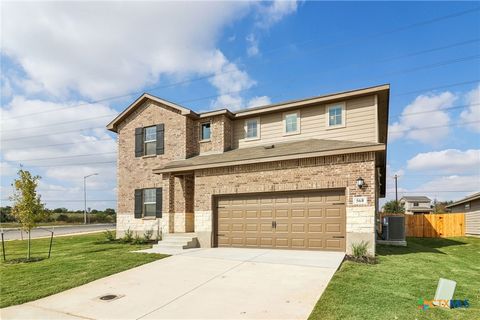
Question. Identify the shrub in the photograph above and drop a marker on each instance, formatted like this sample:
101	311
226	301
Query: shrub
138	240
359	249
147	235
102	217
6	214
109	235
75	218
128	236
62	217
110	211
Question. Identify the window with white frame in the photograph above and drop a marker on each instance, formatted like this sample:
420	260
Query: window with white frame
291	122
150	140
205	132
149	202
252	128
336	115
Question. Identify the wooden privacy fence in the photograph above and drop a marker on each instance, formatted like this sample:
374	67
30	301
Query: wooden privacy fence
435	225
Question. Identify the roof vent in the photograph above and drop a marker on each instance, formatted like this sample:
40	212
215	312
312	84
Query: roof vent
270	146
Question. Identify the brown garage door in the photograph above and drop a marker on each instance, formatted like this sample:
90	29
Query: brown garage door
307	220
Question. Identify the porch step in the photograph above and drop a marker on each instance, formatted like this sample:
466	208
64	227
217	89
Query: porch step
177	241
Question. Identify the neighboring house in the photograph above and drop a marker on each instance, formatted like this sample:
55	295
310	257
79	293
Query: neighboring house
416	204
471	207
467	204
303	174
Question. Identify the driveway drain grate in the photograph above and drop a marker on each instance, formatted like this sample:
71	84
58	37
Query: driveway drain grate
108	297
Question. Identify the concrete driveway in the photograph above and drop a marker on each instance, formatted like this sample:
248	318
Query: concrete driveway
217	283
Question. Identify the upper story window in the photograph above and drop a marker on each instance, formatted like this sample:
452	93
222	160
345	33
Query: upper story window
467	206
205	131
415	204
336	115
149	202
150	140
252	128
291	122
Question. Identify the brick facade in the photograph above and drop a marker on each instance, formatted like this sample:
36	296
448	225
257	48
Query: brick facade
221	134
188	198
136	172
338	172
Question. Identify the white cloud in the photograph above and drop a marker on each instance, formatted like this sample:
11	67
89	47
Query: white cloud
229	81
473	111
101	49
7	169
5	87
252	45
57	138
274	12
268	14
443	188
450	161
415	117
259	101
459	186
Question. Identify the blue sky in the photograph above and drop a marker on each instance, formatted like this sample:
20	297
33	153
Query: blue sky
236	54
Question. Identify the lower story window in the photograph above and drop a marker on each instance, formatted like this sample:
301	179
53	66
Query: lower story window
149	202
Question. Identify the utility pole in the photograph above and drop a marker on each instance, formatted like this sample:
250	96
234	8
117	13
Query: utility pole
85	196
397	207
396	190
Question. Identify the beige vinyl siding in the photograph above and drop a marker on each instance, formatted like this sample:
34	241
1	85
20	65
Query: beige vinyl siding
360	121
472	223
474	206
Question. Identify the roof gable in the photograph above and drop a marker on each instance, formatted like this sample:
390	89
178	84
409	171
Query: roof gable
471	197
112	126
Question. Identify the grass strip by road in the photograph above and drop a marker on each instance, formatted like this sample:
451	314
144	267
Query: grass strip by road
10	225
75	260
392	288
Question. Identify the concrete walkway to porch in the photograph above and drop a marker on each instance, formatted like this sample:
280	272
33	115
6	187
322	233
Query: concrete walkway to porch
216	283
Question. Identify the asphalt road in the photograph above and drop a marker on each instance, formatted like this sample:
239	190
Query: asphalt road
15	234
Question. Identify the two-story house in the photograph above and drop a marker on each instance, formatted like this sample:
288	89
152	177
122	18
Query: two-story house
416	204
303	174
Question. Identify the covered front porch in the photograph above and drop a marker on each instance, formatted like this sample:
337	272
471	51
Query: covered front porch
178	203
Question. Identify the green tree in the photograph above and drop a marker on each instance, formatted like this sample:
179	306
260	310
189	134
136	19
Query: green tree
27	206
6	214
110	211
440	206
393	207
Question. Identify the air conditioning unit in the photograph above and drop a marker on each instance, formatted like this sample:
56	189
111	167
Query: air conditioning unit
393	228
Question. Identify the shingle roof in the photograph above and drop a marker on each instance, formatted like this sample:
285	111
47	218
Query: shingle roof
420	209
417	198
291	150
349	94
466	199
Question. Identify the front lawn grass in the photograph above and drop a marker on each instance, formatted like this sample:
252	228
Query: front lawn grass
75	260
391	289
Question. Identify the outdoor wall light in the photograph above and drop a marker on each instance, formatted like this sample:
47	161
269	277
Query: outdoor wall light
360	182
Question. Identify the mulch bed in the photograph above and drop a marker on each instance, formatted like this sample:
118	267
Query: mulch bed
362	259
